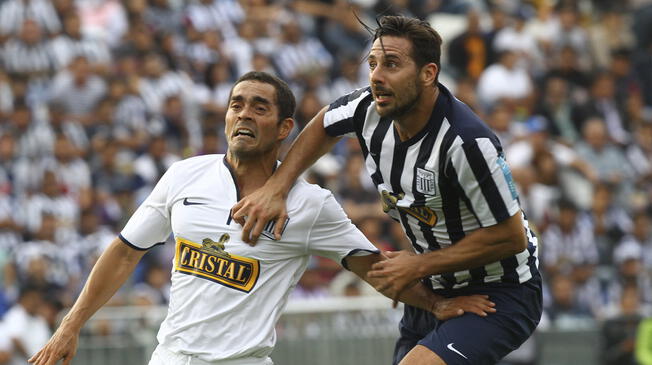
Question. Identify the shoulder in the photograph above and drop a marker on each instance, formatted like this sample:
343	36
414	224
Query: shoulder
353	97
192	164
465	124
307	195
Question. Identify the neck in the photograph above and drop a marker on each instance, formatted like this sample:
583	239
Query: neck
412	122
252	173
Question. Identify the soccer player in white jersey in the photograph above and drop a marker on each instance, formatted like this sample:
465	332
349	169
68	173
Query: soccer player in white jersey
226	295
440	172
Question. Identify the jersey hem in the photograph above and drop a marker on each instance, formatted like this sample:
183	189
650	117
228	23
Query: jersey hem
353	252
126	242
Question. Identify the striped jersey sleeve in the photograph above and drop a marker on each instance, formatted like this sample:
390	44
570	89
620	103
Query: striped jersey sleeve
339	119
484	178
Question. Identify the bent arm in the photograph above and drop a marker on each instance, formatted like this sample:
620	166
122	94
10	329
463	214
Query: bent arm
482	247
109	273
418	295
310	145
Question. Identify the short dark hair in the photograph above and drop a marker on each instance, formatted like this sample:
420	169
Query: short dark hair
426	42
285	100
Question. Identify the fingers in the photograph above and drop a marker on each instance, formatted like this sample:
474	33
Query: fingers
280	225
257	230
392	254
246	229
67	360
237	214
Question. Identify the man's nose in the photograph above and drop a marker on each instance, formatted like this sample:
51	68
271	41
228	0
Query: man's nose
376	75
246	112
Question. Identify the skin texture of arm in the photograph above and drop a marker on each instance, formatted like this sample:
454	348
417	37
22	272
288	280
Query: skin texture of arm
417	295
109	273
481	247
256	209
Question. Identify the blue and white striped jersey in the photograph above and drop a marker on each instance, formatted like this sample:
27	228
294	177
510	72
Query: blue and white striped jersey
442	184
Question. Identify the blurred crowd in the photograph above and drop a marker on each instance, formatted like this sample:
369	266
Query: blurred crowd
99	97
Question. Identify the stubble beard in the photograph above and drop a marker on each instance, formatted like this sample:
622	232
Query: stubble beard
403	109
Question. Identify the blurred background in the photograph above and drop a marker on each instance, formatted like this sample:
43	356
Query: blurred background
99	97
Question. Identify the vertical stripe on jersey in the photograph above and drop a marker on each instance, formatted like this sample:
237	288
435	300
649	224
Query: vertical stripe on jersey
423	157
408	231
478	163
376	147
398	162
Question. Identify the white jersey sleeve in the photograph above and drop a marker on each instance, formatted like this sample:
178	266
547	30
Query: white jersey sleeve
150	224
334	236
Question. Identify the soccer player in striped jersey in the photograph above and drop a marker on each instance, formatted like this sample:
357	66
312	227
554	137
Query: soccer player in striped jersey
440	172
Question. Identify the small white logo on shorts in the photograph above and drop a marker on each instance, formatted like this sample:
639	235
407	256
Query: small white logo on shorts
450	347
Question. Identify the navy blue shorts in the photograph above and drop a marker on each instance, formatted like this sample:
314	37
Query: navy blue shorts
471	339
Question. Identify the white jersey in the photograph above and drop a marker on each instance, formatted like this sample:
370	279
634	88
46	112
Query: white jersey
226	296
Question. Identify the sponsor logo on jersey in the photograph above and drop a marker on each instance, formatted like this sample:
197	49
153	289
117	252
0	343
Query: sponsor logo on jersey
210	261
423	214
425	181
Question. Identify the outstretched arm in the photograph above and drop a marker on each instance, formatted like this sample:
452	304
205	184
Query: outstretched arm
417	295
255	210
109	273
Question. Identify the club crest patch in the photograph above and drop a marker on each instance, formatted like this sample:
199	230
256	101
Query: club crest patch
425	181
209	260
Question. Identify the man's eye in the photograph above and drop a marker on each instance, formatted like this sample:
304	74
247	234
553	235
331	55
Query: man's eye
236	106
372	65
391	65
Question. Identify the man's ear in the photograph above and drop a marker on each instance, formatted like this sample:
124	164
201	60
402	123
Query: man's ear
429	74
285	128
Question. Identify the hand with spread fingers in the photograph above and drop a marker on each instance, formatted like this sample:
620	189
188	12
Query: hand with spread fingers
62	345
256	210
398	272
448	308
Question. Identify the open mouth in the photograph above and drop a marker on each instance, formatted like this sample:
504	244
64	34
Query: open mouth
244	132
383	97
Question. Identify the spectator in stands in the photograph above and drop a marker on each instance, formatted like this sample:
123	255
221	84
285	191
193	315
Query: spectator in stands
505	81
13	14
556	163
556	106
517	39
468	53
78	90
619	330
610	221
51	199
602	103
299	54
628	260
72	42
564	308
568	32
24	328
570	244
150	166
565	65
610	32
606	158
641	236
29	54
